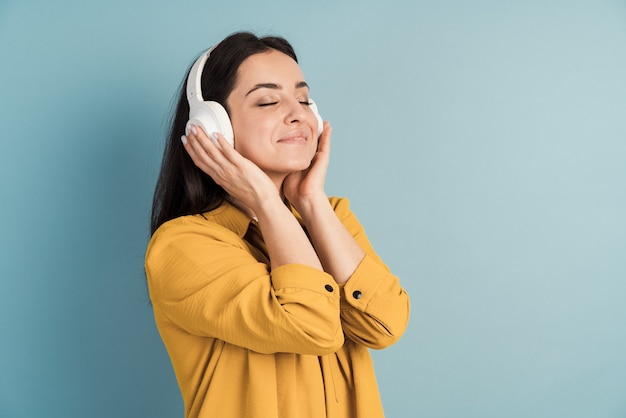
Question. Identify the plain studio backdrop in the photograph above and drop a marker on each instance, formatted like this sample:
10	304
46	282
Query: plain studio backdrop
481	143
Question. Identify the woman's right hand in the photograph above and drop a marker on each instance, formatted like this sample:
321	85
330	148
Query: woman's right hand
240	177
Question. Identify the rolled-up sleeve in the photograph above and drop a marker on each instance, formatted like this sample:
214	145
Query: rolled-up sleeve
375	308
204	280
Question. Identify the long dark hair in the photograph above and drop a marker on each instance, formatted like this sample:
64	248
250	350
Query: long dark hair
182	188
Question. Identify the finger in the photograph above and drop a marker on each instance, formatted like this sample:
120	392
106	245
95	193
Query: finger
202	151
216	156
199	158
229	152
220	141
323	143
200	138
327	128
208	151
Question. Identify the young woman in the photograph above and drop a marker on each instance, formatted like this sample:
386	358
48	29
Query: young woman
266	292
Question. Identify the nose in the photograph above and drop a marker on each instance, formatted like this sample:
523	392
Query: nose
296	113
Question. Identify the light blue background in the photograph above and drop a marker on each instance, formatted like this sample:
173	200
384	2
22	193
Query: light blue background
482	144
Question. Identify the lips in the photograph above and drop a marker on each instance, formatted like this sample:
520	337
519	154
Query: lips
294	137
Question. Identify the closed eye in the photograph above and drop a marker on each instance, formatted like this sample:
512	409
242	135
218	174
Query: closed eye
304	103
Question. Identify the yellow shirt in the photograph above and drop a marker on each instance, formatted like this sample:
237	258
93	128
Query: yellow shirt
249	342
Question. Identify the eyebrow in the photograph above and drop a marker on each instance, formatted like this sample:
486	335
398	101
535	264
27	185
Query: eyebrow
274	86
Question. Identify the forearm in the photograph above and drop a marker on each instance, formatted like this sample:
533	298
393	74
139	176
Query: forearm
337	250
284	237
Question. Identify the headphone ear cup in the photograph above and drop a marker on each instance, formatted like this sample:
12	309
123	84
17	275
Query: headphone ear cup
211	117
320	121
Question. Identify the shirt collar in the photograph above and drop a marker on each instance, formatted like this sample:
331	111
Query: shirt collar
230	217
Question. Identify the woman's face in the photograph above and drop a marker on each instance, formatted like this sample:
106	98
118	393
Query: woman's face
273	123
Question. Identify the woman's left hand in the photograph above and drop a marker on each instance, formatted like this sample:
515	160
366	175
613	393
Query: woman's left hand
303	187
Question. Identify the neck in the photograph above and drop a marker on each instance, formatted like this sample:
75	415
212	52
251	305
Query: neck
278	179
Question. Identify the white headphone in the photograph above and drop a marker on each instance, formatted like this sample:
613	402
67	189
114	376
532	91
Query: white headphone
210	115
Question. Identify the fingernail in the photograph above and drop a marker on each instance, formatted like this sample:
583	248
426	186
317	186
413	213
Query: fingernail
194	130
183	139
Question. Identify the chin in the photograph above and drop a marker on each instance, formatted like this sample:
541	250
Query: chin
286	165
296	164
299	166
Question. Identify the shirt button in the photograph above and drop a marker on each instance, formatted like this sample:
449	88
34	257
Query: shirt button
356	294
329	288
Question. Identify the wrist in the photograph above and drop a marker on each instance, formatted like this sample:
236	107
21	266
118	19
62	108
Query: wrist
308	206
270	207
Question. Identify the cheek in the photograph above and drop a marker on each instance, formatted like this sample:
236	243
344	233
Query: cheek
251	137
250	127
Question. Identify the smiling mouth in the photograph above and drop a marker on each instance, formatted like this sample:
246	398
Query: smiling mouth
294	138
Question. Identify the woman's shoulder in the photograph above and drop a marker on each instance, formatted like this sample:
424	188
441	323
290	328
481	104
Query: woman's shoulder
225	223
340	204
339	201
184	222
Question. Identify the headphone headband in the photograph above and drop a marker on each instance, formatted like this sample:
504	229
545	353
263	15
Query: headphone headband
194	81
